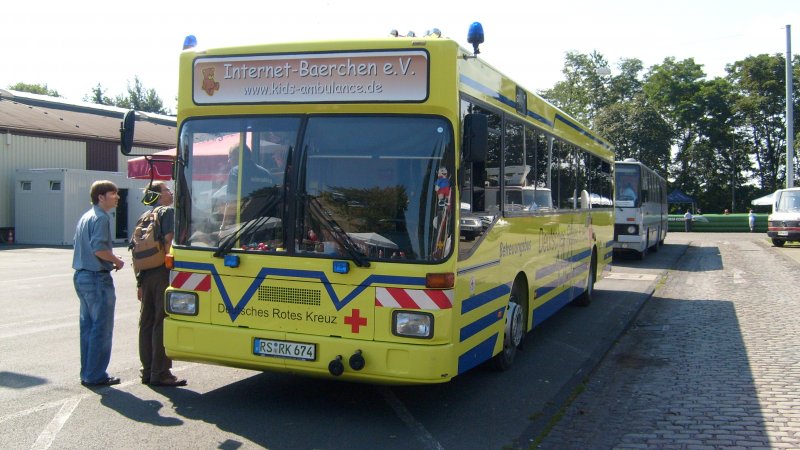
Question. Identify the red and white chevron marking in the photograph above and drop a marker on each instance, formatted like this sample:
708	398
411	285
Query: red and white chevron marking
413	298
190	281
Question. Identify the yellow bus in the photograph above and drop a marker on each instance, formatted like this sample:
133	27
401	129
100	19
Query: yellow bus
320	192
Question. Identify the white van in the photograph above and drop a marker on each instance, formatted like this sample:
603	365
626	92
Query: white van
784	222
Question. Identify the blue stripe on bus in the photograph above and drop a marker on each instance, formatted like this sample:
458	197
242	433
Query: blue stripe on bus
476	355
558	265
513	104
502	99
483	298
553	284
265	272
580	130
481	324
541	313
478	267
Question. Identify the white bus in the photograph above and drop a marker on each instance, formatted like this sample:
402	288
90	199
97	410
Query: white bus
640	199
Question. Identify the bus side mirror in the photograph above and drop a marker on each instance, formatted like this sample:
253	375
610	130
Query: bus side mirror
126	132
476	137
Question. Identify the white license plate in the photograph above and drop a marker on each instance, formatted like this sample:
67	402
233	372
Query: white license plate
285	349
783	233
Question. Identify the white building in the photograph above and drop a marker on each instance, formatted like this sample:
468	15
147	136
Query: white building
42	132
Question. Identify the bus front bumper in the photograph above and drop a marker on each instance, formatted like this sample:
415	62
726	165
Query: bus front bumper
385	362
786	235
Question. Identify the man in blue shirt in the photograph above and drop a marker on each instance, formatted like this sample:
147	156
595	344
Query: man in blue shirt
93	259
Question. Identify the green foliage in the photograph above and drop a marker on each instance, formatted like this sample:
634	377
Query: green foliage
760	83
98	96
584	90
637	131
40	89
141	99
137	97
721	140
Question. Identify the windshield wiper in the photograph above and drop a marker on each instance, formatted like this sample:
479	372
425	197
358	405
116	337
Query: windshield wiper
226	244
337	233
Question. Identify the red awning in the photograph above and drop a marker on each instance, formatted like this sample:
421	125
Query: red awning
139	168
210	161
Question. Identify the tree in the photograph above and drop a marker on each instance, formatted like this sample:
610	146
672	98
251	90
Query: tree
585	89
140	99
628	84
40	89
672	88
98	96
723	154
760	82
637	131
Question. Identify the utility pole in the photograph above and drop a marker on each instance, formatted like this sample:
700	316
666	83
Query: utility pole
789	112
733	174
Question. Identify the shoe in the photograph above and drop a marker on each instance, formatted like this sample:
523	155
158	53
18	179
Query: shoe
169	382
110	381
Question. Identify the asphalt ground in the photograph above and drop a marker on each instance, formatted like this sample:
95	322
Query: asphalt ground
42	404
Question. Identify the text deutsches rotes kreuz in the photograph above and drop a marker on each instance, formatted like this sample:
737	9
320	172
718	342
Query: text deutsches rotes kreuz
277	313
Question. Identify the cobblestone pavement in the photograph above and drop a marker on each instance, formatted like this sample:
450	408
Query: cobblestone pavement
711	361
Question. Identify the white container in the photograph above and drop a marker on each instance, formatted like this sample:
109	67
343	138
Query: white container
49	202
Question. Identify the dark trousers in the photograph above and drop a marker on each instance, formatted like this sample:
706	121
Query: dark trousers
155	364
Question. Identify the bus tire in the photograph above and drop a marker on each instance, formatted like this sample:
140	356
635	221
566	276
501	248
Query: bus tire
778	242
658	242
514	331
585	299
643	253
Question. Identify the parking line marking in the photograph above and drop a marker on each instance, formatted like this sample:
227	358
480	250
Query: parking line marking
404	414
631	276
48	435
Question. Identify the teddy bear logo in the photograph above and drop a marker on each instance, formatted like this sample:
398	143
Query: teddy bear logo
209	83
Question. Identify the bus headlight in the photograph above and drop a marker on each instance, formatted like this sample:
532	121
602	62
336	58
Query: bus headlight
184	303
414	324
632	229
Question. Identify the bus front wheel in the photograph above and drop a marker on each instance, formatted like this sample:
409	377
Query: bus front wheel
778	242
514	331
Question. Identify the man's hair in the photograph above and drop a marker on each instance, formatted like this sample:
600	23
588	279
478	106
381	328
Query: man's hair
233	152
99	188
158	186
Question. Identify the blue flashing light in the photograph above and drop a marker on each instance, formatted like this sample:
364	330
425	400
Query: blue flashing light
341	267
475	36
189	42
231	260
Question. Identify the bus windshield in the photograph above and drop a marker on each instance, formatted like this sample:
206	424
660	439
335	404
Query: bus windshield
788	201
358	187
627	186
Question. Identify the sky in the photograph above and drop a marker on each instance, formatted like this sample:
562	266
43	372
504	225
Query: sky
73	46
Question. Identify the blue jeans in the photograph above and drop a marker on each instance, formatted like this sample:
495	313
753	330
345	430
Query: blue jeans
96	294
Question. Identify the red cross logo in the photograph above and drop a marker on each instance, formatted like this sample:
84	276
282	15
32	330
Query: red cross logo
355	321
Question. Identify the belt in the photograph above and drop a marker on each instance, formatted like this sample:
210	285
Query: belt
94	271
